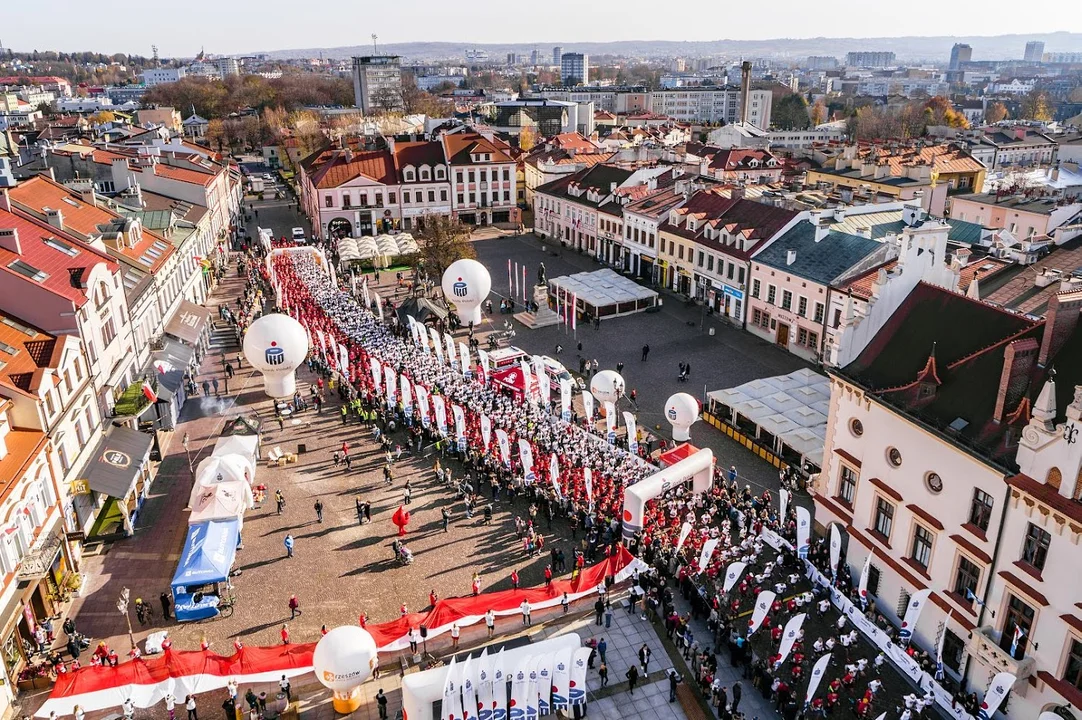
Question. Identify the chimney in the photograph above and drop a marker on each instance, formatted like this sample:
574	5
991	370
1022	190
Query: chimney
745	90
88	195
1061	319
1019	361
9	240
737	193
5	201
54	218
790	257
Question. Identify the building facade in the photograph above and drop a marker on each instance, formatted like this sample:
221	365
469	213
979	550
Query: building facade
377	82
575	68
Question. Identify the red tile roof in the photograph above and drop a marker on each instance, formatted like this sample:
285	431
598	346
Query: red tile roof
754	220
334	167
459	146
194	177
418	153
34	350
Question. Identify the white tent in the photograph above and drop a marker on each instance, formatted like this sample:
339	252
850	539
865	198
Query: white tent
221	501
246	446
219	470
603	293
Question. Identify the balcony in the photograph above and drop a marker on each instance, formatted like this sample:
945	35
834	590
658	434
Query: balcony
983	646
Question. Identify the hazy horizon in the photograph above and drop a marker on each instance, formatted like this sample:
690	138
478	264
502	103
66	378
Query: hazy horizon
248	26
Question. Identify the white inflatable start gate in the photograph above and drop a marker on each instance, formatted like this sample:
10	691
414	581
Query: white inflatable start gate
699	469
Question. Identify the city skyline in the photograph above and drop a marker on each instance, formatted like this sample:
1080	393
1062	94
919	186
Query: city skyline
245	26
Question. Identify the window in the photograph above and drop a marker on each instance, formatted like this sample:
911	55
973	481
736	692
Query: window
681	249
28	270
1019	617
1072	672
837	316
966	577
980	512
50	405
922	546
847	488
874	576
443	196
701	258
1035	548
755	285
953	649
786	299
408	175
328	201
856	427
506	174
884	517
801	336
392	198
406	197
771	294
813	341
346	202
460	200
458	176
729	270
470	176
802	306
432	196
710	263
507	196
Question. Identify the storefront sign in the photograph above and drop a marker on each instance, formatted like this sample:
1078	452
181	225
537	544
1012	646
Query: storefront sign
80	487
733	292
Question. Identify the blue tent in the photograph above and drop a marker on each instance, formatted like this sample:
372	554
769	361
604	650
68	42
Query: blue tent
207	559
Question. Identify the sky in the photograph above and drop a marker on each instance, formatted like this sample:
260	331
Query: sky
241	26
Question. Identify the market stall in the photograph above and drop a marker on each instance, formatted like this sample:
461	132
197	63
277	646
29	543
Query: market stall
202	577
602	293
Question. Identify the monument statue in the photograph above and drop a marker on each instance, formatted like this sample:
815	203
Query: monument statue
541	277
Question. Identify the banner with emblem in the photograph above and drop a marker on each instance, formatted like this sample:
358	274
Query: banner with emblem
762	607
685	530
565	399
499	688
997	691
379	307
917	601
484	686
343	358
451	703
576	692
460	426
449	342
527	374
588	405
544	685
464	360
610	421
561	679
407	396
389	374
732	574
816	677
486	431
632	433
469	691
525	456
708	549
505	446
554	475
377	375
544	387
483	355
803	532
789	636
441	413
422	404
520	688
835	549
437	344
588	481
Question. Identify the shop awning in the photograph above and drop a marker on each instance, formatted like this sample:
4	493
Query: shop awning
117	462
187	322
170	363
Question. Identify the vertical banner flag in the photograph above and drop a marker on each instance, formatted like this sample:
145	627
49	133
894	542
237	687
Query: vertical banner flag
450	694
520	684
460	426
835	549
554	475
525	287
783	497
510	281
377	375
610	421
816	677
588	480
525	456
733	573
484	686
561	678
789	635
544	685
576	692
450	341
343	359
588	405
464	360
367	297
422	404
544	389
407	396
939	646
484	362
499	688
531	688
997	690
708	549
486	431
437	344
685	530
505	446
379	307
441	413
762	607
518	285
322	343
574	311
469	694
632	433
862	588
803	532
565	399
527	391
389	375
917	602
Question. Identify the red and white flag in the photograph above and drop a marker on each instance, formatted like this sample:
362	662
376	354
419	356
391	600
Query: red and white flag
148	392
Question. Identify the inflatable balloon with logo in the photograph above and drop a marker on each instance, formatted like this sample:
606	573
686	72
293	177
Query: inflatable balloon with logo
682	411
466	284
343	659
607	386
276	345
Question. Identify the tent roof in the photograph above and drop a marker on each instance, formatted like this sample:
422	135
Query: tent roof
602	288
208	553
421	309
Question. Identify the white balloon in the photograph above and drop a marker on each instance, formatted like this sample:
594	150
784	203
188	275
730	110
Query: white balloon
276	345
682	410
344	658
466	284
607	386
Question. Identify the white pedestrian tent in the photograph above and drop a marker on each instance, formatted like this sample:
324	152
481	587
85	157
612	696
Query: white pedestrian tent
381	250
246	446
786	414
603	293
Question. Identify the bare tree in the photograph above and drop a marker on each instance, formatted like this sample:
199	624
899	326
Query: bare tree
443	241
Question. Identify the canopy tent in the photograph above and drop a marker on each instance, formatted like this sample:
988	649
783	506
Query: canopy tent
221	501
188	323
206	560
789	412
422	310
246	446
676	454
223	468
603	293
371	249
513	380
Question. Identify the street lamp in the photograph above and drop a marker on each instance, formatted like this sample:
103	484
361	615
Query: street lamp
122	606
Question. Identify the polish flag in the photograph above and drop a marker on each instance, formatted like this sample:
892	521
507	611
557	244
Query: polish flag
148	392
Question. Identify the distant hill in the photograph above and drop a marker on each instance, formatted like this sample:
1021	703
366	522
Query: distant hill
999	47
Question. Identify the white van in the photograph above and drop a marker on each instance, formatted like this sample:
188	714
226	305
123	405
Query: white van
298	235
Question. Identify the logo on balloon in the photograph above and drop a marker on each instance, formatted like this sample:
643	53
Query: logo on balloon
460	289
275	355
671	412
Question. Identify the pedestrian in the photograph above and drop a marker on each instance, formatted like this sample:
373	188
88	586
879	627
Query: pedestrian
229	370
170	707
445	515
548	577
189	705
475	585
285	634
632	676
294	607
619	367
287	689
288	542
381	702
674	680
214	382
566	603
602	646
644	658
525	608
599	610
490	622
206	387
737	690
455	633
413	637
645	352
319	510
360	511
603	673
167	606
279	500
608	615
514	579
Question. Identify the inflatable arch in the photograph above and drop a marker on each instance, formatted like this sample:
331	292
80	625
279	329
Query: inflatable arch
699	469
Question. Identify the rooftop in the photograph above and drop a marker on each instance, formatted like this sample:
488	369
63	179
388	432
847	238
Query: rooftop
826	261
1019	203
25	352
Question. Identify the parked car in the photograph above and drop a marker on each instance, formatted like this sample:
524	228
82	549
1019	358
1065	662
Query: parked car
298	235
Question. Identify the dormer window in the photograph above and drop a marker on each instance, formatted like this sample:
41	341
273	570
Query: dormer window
440	173
753	163
408	174
425	173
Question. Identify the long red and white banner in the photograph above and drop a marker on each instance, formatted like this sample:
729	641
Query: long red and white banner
147	680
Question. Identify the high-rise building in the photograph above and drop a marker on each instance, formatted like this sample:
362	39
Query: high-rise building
822	62
227	66
535	56
510	59
869	59
575	68
1034	51
960	53
557	53
377	82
